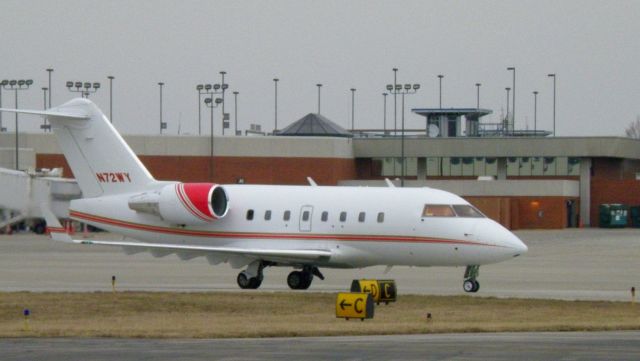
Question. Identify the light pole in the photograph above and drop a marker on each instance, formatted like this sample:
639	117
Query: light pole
50	70
208	90
353	99
535	111
211	103
44	125
275	84
1	86
478	95
17	85
554	102
235	111
513	99
110	77
403	90
395	107
199	88
440	76
225	116
507	117
163	125
384	113
84	89
319	86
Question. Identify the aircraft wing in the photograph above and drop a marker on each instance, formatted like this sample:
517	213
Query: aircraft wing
217	254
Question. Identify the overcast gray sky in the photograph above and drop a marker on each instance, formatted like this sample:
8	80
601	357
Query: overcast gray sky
592	46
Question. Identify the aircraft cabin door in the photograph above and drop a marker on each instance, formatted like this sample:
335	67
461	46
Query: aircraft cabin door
306	213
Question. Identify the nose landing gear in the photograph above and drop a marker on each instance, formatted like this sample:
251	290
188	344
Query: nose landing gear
470	283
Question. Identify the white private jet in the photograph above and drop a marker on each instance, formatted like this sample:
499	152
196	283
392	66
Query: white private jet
256	226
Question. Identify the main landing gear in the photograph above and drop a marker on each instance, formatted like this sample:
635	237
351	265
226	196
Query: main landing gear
252	277
301	280
470	283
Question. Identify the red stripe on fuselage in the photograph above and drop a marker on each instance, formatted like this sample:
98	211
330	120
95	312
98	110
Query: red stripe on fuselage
342	237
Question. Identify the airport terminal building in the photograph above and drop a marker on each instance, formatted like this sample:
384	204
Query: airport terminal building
525	180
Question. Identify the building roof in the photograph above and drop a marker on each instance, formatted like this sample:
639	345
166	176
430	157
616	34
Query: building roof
315	125
473	113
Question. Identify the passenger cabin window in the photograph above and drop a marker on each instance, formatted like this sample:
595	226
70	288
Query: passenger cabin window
267	215
325	216
465	210
438	210
361	217
380	217
305	216
286	216
343	216
250	215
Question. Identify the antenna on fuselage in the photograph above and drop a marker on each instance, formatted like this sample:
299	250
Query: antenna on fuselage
312	182
389	183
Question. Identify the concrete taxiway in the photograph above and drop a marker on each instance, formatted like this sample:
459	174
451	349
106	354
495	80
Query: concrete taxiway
487	346
594	264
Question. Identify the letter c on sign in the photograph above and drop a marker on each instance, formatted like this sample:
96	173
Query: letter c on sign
355	305
386	290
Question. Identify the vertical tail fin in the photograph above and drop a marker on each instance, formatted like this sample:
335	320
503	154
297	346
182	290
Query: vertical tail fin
100	159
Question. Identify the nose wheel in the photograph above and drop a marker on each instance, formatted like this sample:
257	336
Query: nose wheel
471	283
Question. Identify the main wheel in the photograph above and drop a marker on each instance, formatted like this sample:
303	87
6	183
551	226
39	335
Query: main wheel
294	280
243	281
255	282
307	277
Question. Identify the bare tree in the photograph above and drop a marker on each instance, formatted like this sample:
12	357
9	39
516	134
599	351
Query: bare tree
633	130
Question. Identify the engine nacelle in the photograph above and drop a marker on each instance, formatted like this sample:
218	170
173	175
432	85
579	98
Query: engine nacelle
184	203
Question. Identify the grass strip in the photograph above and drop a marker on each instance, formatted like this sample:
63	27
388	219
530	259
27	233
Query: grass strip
287	314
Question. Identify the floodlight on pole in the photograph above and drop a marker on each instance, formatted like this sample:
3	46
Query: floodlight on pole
275	84
50	70
319	86
17	85
513	99
406	89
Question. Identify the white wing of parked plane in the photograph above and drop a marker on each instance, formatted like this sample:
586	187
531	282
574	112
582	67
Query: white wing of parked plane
237	256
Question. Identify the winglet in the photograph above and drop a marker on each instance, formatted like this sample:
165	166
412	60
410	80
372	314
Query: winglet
55	229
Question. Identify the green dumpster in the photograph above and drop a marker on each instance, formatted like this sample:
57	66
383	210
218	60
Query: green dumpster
613	215
635	216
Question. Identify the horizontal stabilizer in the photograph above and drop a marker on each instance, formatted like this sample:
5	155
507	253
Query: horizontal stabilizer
54	113
55	229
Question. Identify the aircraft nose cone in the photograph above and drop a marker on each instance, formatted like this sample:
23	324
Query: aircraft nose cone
517	244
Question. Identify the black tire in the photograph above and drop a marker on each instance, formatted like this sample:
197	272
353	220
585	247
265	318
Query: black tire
476	286
243	281
307	277
295	280
469	285
40	228
254	283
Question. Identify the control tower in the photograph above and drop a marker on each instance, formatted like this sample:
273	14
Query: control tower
448	123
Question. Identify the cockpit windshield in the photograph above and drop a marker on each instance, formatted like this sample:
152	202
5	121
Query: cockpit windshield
451	210
465	210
